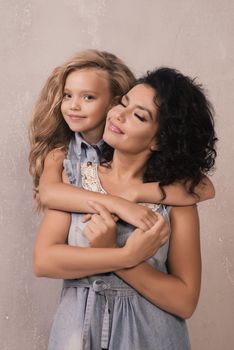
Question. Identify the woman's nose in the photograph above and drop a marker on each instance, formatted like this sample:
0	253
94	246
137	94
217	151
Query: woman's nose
120	114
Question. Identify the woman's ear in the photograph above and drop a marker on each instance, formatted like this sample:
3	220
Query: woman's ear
153	145
153	148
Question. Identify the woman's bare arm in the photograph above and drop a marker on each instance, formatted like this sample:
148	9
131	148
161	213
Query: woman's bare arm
53	258
178	291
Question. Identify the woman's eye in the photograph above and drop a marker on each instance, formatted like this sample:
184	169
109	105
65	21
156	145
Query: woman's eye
122	104
140	117
88	97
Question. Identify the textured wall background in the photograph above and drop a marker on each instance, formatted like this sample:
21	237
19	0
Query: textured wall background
192	35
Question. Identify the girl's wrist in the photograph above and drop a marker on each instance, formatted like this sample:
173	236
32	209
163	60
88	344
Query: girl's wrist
115	203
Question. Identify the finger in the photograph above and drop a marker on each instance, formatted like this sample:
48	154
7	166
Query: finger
97	219
97	228
88	233
164	240
150	221
143	226
158	224
102	211
154	217
86	217
115	217
147	224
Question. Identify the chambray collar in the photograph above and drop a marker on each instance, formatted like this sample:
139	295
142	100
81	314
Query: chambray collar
80	142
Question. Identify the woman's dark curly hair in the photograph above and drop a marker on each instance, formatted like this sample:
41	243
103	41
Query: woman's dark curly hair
185	137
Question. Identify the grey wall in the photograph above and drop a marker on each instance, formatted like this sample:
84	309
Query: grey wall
192	35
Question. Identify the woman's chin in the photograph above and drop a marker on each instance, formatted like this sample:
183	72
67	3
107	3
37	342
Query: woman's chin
108	140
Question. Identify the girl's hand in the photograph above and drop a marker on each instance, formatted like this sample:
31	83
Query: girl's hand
142	245
101	228
135	214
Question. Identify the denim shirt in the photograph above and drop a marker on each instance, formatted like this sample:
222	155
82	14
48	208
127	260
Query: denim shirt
79	151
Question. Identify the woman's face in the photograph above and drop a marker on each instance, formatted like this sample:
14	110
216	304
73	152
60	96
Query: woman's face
131	126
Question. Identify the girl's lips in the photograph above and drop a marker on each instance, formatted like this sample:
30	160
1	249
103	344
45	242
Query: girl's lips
75	117
112	127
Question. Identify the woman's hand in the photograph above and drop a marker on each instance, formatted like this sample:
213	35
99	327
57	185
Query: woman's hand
142	245
101	227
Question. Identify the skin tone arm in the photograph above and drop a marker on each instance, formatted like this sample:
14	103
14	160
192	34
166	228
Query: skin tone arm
62	196
56	195
178	291
53	258
176	193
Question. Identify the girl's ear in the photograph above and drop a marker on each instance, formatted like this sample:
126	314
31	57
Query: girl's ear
115	101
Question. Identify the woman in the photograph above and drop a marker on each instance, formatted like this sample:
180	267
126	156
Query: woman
161	131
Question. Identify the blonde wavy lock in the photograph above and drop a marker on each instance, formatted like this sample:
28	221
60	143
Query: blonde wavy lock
47	129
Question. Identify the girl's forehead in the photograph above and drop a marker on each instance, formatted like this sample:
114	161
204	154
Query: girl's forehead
89	77
94	72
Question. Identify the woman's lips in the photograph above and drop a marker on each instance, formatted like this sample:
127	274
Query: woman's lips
112	127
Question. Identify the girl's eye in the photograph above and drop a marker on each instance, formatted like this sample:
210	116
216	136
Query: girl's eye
142	119
66	95
88	97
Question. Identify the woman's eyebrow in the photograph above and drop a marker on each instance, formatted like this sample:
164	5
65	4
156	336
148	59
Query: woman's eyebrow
140	107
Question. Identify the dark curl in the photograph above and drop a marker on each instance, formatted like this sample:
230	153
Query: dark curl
186	136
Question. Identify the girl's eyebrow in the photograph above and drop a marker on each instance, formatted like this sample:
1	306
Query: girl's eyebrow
140	107
82	91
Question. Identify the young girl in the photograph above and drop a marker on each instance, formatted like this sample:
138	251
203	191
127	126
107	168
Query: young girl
176	132
86	87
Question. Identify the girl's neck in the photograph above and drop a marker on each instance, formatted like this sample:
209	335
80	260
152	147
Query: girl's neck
92	137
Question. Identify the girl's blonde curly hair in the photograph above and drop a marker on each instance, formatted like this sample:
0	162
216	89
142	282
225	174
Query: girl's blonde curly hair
47	129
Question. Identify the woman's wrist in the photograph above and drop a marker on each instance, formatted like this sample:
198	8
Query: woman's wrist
128	259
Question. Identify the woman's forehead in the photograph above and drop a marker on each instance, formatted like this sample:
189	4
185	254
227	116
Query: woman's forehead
143	95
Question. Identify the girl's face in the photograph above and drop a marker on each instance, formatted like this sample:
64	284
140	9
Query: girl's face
86	101
131	126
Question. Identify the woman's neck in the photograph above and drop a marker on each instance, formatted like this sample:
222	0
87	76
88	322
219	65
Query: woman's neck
128	167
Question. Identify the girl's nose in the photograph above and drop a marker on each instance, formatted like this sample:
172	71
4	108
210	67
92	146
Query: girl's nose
75	105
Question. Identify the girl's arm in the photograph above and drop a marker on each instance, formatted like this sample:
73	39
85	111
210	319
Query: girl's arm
176	193
53	258
55	194
178	291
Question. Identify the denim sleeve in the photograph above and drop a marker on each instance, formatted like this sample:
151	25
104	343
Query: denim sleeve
70	171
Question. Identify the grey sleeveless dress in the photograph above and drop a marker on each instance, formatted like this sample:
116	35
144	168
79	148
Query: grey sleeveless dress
104	312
